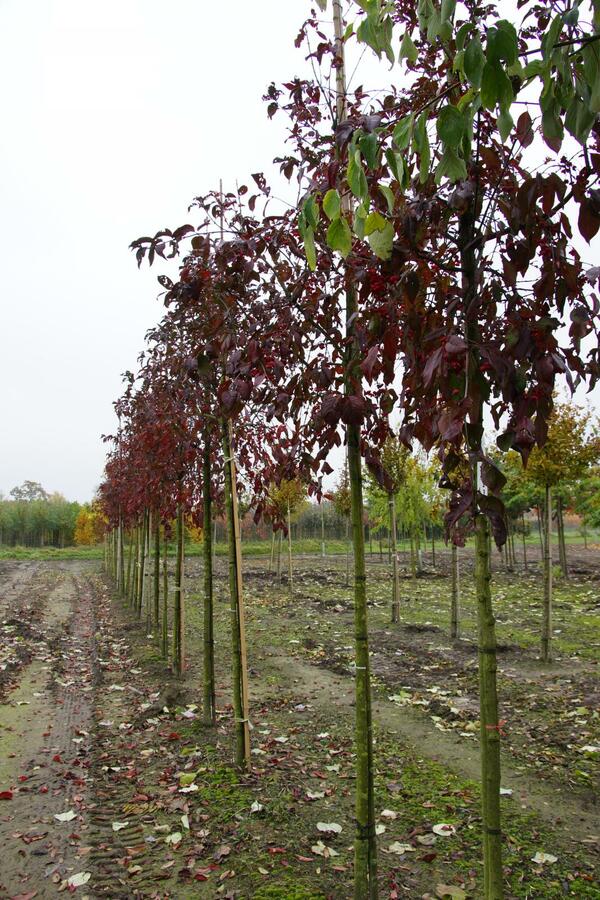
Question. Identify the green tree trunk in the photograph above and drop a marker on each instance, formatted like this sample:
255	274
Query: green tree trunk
395	572
209	711
365	844
279	542
455	596
561	538
178	614
490	726
347	553
140	596
238	655
165	599
290	564
135	575
147	573
157	577
272	559
129	558
547	610
121	559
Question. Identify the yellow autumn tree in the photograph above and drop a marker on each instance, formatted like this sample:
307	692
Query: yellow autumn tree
89	526
287	497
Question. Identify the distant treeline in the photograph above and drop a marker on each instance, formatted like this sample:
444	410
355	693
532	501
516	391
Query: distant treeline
34	518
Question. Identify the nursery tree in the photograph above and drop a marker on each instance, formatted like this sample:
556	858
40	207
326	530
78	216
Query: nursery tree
572	446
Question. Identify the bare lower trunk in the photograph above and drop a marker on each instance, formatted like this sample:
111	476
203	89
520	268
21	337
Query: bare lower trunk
209	710
490	726
290	565
238	636
178	603
165	603
395	573
455	598
547	610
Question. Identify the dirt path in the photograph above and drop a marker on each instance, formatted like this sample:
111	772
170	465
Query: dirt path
44	736
85	735
329	691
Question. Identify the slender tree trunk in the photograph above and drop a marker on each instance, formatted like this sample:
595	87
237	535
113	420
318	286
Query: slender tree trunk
380	547
120	558
413	559
157	577
584	532
147	574
395	573
209	711
490	726
347	553
279	542
272	559
165	603
238	637
365	842
290	566
455	597
547	610
540	534
129	558
140	598
524	543
135	574
433	548
322	531
178	603
560	519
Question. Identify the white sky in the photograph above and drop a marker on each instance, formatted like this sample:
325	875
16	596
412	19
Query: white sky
114	116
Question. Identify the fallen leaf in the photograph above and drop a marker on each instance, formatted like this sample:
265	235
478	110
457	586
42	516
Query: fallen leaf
399	849
444	830
65	817
450	890
322	850
329	827
79	879
118	826
541	858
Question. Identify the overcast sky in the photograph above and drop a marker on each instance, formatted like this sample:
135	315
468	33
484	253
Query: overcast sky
114	116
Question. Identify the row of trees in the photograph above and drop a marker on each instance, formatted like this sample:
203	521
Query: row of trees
430	274
34	518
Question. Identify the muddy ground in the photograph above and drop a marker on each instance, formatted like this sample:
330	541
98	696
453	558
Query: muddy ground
110	785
